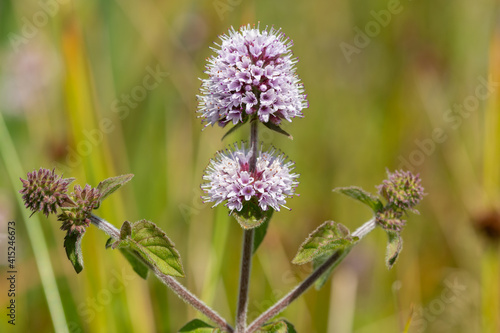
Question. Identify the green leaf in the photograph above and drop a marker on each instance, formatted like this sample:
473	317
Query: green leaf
153	245
260	232
234	128
394	247
198	326
73	246
137	265
289	326
109	242
108	186
361	195
276	128
126	230
320	282
325	240
251	215
276	327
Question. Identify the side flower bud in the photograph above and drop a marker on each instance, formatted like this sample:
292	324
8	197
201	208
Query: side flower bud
75	219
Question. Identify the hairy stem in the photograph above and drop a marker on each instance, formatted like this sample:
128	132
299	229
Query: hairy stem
253	143
334	260
246	255
172	283
246	264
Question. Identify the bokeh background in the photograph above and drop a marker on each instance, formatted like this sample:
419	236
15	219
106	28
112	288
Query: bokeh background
102	88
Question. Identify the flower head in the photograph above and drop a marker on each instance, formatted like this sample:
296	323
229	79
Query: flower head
229	179
252	73
390	219
77	218
402	189
44	191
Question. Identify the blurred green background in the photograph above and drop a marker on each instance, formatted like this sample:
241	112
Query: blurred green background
409	84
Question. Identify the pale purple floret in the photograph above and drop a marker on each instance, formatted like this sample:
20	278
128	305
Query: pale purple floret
229	179
251	69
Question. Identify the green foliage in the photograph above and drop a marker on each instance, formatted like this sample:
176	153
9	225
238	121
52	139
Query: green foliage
109	185
152	244
324	241
394	247
260	232
276	327
234	128
361	195
137	265
198	326
252	216
73	246
282	326
276	128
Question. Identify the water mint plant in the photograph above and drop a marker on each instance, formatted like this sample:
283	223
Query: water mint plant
251	80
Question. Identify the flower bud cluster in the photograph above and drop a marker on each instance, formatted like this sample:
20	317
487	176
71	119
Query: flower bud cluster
77	218
403	191
45	191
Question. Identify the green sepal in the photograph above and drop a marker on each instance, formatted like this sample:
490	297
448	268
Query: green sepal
361	195
198	326
251	215
260	232
152	244
325	240
108	186
73	246
276	128
394	247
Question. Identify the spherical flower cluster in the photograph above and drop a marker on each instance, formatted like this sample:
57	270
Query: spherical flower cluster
252	73
229	178
402	189
390	219
77	218
45	191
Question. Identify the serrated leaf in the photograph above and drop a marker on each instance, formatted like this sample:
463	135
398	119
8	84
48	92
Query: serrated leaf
73	246
260	232
153	245
198	326
137	265
361	195
234	128
276	327
394	247
251	215
276	128
108	186
325	240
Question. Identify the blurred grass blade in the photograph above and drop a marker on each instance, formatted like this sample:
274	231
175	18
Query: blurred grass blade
35	233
